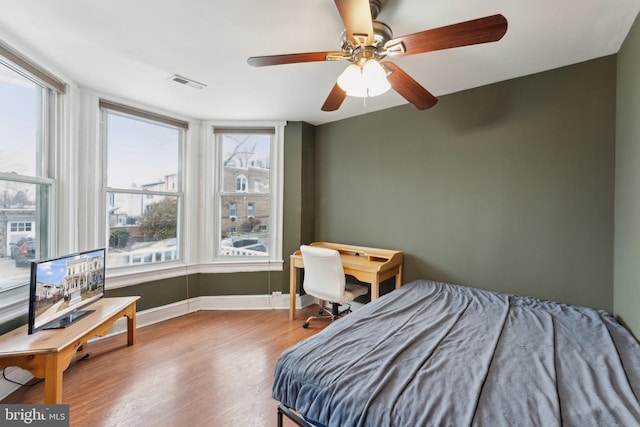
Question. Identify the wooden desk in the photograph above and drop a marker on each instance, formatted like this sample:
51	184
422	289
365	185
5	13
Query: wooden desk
369	265
47	353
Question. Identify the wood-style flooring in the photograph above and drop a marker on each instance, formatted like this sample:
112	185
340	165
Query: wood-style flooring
210	368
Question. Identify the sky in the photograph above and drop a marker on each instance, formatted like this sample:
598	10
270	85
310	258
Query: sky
140	152
18	123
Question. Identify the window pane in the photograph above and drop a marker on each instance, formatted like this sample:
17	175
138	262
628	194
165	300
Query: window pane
141	154
20	123
246	162
244	233
143	160
142	230
24	206
23	212
244	196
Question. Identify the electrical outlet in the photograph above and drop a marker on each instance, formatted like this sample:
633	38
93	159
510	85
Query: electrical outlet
276	294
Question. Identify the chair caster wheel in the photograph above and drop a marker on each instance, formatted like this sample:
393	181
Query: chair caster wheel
305	325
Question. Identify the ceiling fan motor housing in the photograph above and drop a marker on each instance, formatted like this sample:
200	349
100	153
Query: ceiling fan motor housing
381	34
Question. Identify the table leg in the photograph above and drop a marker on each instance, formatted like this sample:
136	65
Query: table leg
53	379
399	277
375	289
131	325
292	291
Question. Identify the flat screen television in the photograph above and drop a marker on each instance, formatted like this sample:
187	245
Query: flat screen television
61	288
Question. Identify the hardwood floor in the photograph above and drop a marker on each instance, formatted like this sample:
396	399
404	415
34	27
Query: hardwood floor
210	368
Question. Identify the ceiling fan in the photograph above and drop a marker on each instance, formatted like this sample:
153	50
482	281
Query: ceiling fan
365	42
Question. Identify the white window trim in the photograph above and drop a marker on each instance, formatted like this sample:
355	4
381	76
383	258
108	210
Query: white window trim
211	177
126	276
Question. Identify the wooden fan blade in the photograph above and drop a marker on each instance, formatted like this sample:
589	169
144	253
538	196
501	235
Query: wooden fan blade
335	99
292	58
356	16
410	89
477	31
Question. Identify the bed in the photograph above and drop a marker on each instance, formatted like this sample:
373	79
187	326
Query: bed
437	354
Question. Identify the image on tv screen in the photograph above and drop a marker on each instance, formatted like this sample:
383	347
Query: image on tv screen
65	284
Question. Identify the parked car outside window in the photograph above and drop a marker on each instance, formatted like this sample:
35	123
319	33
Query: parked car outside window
15	246
243	246
240	242
259	247
25	253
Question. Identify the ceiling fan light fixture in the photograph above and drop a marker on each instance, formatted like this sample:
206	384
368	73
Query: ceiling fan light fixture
351	81
366	80
375	78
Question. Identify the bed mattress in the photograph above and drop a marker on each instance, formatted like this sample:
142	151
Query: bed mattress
439	354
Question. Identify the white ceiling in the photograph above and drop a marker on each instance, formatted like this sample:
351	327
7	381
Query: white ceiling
130	48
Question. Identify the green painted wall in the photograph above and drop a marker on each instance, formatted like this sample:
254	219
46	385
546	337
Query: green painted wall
299	190
627	191
308	219
158	293
251	283
299	209
507	187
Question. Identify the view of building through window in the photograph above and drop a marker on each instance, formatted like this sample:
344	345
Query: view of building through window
143	190
243	196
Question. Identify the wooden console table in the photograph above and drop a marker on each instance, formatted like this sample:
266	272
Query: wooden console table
47	353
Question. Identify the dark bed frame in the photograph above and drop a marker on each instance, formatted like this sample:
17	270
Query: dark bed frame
283	410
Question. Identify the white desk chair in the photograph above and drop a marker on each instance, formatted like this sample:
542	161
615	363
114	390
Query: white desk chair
324	279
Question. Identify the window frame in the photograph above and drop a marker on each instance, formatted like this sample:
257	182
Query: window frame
14	297
212	182
241	183
126	275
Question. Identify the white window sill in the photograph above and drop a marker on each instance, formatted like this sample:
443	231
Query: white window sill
14	302
123	277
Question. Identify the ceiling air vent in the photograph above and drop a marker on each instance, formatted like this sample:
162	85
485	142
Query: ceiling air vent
187	82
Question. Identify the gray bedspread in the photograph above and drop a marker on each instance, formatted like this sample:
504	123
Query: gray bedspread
435	354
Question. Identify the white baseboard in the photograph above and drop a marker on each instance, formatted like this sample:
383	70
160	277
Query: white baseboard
169	311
